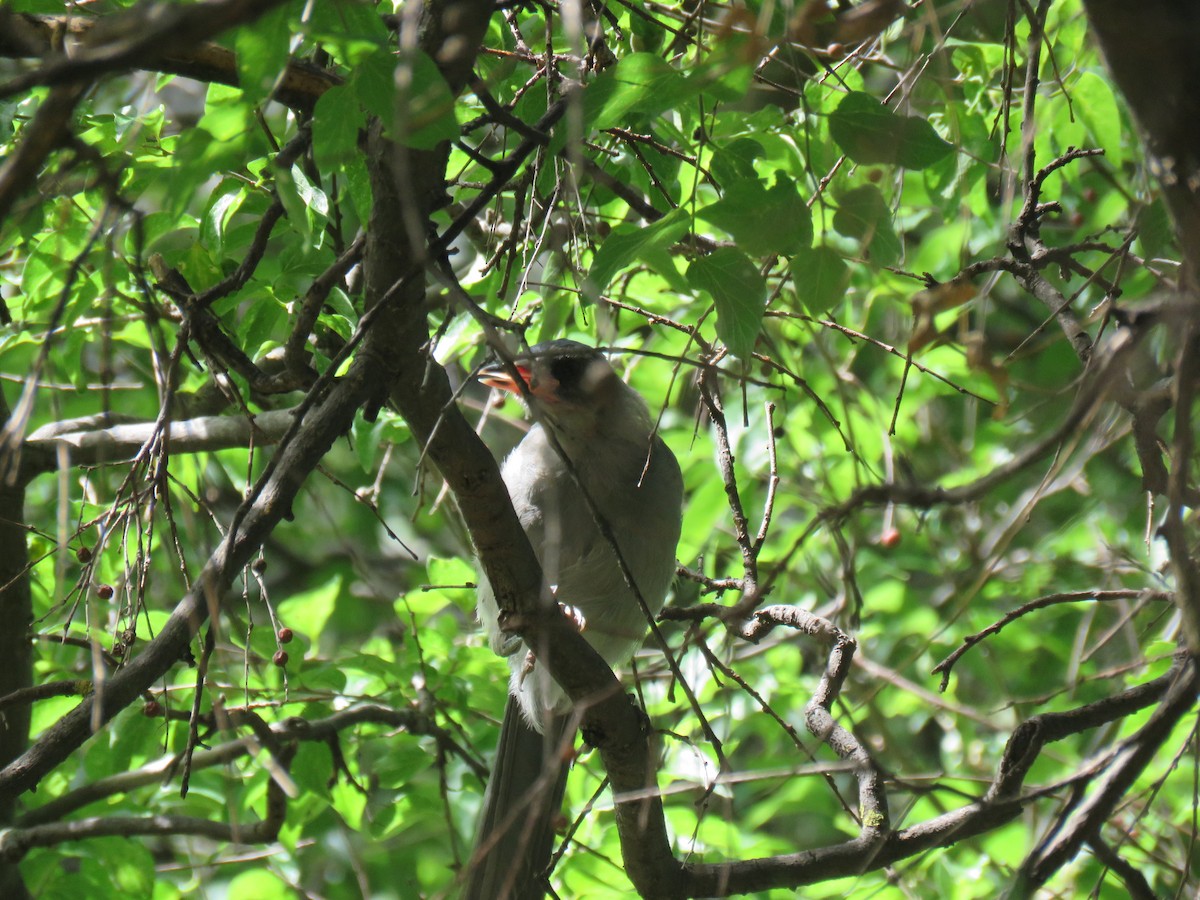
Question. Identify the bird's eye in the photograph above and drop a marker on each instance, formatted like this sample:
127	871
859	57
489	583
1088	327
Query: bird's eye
568	370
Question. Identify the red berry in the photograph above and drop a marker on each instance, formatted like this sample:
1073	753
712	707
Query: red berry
890	538
104	592
280	658
84	554
285	635
152	708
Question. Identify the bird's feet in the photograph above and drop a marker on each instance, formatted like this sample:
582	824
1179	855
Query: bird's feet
575	614
526	668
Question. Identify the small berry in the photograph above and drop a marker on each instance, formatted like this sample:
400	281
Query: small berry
104	592
280	658
152	709
84	554
259	566
890	538
285	635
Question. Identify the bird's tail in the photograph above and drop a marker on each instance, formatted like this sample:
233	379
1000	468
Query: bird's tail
515	833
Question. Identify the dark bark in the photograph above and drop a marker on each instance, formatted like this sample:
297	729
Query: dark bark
1151	48
25	35
16	666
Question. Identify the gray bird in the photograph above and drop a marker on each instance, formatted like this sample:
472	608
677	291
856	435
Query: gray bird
603	427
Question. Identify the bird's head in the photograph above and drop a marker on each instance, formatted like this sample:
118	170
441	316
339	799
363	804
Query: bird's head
573	390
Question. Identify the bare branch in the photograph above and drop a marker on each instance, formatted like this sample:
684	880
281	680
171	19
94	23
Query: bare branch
16	842
1076	825
947	664
121	442
291	729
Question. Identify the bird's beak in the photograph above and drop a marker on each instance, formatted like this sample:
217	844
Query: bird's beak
498	377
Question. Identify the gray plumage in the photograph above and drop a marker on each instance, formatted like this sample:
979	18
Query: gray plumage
604	428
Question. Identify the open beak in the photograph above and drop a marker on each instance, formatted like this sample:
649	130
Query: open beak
498	377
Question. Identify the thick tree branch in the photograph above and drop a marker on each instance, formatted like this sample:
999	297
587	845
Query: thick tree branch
1151	49
16	611
48	131
407	186
143	37
1002	803
1079	823
90	447
16	842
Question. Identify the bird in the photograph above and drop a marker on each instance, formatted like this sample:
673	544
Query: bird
592	437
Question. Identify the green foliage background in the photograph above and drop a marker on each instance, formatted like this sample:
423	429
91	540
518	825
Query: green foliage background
788	210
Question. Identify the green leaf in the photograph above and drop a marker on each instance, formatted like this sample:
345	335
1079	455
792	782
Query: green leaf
450	573
869	133
303	201
349	802
337	119
258	884
353	31
821	277
374	84
216	218
665	263
1096	106
864	214
762	221
1154	230
311	195
641	82
739	292
266	314
306	613
223	139
263	52
725	78
629	243
424	104
735	160
358	181
312	768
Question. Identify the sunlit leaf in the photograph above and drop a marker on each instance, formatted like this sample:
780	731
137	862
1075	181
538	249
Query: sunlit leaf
762	220
739	292
871	133
627	244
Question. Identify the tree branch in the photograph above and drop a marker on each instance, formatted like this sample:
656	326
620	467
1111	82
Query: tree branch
1079	823
1151	50
161	37
291	729
90	447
